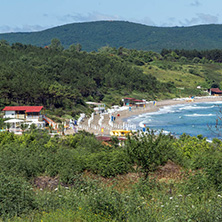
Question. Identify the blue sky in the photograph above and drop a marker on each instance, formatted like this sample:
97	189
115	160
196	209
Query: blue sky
36	15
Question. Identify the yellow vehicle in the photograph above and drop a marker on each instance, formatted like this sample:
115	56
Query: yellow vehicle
120	132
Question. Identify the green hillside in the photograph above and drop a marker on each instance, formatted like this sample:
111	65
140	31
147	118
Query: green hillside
94	35
62	80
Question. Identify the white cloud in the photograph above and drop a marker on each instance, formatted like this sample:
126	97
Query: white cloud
195	3
24	28
145	21
92	16
169	22
208	18
201	18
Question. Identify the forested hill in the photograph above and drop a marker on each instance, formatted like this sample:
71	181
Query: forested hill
64	79
94	35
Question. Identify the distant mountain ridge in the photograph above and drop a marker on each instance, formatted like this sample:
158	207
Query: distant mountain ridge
94	35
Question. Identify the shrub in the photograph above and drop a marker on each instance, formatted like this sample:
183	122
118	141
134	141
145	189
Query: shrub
67	163
16	196
213	168
149	150
191	146
109	163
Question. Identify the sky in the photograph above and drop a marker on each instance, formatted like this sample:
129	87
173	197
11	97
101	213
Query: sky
37	15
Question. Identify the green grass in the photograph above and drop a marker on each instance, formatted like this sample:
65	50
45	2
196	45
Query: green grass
184	75
178	74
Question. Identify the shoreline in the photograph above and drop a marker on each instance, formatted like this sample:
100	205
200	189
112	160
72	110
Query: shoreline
122	115
162	103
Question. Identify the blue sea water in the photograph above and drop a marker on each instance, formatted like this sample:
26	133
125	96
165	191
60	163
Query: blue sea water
193	119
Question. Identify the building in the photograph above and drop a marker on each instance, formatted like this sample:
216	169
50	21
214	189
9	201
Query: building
140	103
134	102
28	115
215	91
128	101
32	113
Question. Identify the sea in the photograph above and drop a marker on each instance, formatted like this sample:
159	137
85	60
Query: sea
193	119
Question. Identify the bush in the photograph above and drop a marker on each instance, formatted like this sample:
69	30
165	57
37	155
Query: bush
148	151
212	166
109	163
191	146
16	196
67	163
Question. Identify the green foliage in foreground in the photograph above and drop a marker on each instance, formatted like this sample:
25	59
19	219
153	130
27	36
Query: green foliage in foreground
148	151
146	201
194	196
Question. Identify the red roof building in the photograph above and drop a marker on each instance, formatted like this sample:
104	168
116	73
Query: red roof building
22	112
27	109
215	91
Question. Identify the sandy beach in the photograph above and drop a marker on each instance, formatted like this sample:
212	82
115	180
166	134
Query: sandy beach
104	127
152	108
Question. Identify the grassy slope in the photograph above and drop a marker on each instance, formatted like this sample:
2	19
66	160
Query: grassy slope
187	75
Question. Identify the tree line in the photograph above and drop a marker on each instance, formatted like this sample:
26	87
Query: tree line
203	56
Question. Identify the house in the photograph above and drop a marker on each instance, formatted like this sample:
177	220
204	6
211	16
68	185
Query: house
23	114
32	113
215	91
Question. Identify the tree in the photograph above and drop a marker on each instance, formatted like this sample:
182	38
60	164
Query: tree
72	48
4	43
2	123
183	59
56	45
16	196
78	47
61	128
33	127
8	126
148	151
50	128
196	60
23	127
107	49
